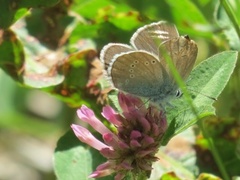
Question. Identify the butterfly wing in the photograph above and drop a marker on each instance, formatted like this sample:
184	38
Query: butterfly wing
182	51
110	50
138	73
149	37
142	70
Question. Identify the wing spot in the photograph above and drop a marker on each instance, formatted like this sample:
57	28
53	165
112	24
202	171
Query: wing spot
132	66
146	63
131	70
136	62
132	75
153	62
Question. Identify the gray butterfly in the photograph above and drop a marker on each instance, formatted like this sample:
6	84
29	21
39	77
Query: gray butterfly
141	70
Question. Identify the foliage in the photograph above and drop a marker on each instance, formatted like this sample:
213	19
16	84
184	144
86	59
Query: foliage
53	46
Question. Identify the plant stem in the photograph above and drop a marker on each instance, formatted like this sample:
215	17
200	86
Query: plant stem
214	151
179	81
231	16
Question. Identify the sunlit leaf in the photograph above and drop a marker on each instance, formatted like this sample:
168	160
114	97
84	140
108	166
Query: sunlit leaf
204	176
207	80
75	160
186	12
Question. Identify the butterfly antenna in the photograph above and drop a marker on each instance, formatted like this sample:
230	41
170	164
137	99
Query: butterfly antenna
210	97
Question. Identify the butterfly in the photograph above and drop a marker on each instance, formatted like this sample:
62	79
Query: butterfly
141	69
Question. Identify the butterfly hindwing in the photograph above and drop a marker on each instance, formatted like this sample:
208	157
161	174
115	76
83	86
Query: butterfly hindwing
138	73
182	51
110	50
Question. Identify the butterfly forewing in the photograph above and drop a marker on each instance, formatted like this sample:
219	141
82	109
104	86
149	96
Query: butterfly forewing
132	72
149	37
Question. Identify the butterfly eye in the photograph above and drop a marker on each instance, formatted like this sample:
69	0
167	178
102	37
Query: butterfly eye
179	93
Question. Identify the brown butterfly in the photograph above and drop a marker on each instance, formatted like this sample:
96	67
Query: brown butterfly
141	69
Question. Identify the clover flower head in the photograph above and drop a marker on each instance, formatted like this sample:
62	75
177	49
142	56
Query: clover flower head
131	149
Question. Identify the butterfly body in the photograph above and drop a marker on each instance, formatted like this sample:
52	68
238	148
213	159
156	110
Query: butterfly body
141	69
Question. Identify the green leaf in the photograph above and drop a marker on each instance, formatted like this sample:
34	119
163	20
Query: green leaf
207	176
90	8
75	160
8	16
126	21
20	13
207	80
72	160
189	19
186	12
150	10
105	21
13	10
170	176
100	10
